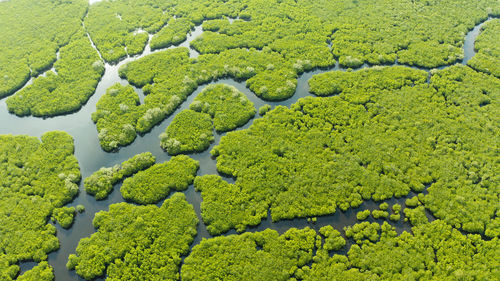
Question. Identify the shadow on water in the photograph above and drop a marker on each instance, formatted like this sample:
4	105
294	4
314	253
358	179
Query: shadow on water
91	157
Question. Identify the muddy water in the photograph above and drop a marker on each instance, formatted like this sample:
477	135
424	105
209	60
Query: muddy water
91	157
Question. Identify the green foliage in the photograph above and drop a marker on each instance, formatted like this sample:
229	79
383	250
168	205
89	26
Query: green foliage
41	272
168	77
416	216
117	27
149	68
262	255
190	131
80	208
377	214
430	54
384	206
172	34
412	202
364	231
442	136
487	58
64	216
273	84
435	251
101	182
36	178
228	107
28	46
465	193
421	33
362	215
333	240
77	73
137	241
154	184
264	109
116	115
375	78
395	216
114	26
396	208
221	198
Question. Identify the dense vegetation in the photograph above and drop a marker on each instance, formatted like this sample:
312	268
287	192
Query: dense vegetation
264	255
367	79
64	216
272	42
120	28
76	75
487	58
40	272
228	107
422	33
264	109
370	134
141	242
366	144
28	46
172	34
36	178
294	36
190	131
434	251
154	184
116	115
101	182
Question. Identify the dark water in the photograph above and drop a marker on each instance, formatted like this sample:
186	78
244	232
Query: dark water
91	158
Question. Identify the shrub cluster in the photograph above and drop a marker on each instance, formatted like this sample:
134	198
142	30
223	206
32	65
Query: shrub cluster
263	255
36	179
101	182
228	107
190	131
77	73
434	251
64	216
395	141
154	184
29	46
131	241
487	58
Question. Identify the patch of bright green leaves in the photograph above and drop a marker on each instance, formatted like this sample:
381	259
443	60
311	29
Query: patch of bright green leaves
101	182
487	58
263	255
28	46
190	131
375	78
228	107
64	216
36	179
131	241
156	182
392	142
434	251
77	73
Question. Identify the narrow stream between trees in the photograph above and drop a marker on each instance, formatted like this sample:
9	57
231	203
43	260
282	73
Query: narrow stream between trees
91	157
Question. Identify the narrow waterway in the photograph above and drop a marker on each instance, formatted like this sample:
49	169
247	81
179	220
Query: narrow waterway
91	157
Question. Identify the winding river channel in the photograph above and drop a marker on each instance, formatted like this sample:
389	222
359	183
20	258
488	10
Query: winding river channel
91	157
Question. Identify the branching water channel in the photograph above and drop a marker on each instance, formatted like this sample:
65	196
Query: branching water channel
91	157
